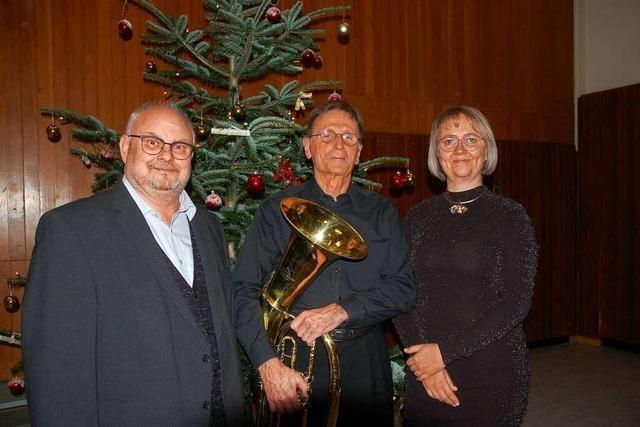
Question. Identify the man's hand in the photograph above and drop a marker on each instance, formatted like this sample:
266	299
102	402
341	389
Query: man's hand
283	386
439	386
312	324
426	360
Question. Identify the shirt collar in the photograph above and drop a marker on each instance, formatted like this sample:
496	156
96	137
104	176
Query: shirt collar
186	204
353	193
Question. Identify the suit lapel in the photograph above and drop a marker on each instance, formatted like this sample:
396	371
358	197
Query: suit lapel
148	252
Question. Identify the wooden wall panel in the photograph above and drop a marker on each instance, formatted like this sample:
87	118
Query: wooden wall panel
609	222
406	61
542	177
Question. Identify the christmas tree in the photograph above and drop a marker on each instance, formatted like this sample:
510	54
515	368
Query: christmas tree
250	146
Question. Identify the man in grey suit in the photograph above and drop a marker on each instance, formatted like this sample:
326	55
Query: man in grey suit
128	311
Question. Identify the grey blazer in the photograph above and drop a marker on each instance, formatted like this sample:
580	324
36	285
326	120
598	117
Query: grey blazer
107	337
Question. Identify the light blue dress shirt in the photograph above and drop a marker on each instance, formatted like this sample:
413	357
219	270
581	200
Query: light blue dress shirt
174	239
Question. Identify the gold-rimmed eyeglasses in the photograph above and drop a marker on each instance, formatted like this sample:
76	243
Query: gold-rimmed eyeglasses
153	145
470	142
329	136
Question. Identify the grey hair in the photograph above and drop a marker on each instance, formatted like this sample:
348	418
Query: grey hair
479	123
341	106
153	105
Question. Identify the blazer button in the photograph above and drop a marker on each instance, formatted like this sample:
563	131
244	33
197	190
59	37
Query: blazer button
206	358
206	404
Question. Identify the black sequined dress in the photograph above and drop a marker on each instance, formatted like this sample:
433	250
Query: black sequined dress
475	274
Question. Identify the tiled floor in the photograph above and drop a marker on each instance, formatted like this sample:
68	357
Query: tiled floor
571	385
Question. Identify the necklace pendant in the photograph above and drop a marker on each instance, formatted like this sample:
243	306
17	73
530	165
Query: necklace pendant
458	209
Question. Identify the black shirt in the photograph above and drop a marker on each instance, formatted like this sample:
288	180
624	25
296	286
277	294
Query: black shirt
370	290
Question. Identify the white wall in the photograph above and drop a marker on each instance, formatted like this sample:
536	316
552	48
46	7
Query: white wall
607	44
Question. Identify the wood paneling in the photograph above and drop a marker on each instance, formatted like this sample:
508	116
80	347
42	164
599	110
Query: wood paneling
609	222
542	177
406	61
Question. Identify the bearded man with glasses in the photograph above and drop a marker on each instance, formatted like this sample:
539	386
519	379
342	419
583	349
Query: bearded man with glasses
349	299
128	306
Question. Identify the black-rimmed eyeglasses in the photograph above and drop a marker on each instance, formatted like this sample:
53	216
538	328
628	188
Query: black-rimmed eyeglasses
329	136
153	145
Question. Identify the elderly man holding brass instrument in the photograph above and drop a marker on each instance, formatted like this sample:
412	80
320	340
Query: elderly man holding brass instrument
344	304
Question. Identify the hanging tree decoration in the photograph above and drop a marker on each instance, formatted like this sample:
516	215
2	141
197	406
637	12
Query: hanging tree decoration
308	58
125	29
344	33
273	14
202	133
317	62
213	201
53	131
300	106
11	302
255	184
151	67
334	97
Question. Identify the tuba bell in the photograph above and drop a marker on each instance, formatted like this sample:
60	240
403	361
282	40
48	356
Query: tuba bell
318	238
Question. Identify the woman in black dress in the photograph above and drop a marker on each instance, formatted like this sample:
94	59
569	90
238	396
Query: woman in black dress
474	256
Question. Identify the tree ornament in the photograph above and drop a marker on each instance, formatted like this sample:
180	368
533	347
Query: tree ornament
300	107
334	97
238	112
53	132
11	303
284	172
398	181
317	62
202	132
213	201
344	33
151	67
125	29
410	179
273	15
86	160
308	58
255	184
16	385
106	154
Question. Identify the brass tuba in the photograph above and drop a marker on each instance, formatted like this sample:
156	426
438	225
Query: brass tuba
318	238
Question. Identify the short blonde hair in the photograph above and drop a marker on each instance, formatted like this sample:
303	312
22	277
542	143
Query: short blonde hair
480	124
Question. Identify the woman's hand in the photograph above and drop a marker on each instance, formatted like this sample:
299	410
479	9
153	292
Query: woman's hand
425	361
439	386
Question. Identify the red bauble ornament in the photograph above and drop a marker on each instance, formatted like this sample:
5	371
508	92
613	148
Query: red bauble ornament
317	62
53	133
255	184
213	201
125	29
12	303
273	15
398	181
308	58
16	385
335	97
284	172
